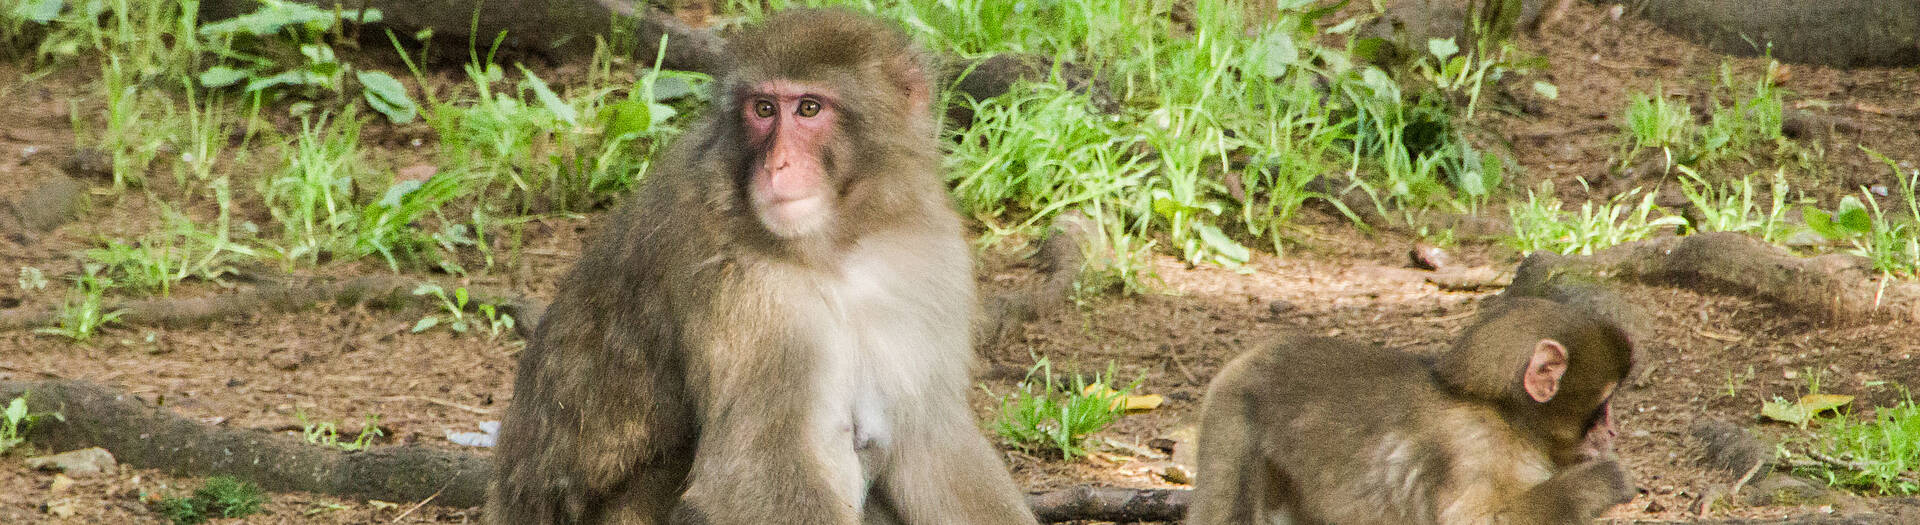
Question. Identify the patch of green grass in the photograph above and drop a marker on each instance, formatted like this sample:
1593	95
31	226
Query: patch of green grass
327	433
1889	240
1656	123
84	312
309	196
15	421
1880	455
453	313
220	497
1742	118
1737	206
1048	412
1542	224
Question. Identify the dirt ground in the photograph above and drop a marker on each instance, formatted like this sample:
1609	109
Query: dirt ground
1706	356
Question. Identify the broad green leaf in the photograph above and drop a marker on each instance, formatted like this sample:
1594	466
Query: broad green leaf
1802	411
387	96
1442	48
1370	49
1821	222
1277	52
222	76
1220	243
39	11
670	87
289	78
17	410
1817	403
1546	89
631	118
270	19
1853	217
426	323
391	199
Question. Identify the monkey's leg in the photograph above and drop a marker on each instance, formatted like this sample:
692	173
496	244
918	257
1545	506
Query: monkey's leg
944	471
1231	483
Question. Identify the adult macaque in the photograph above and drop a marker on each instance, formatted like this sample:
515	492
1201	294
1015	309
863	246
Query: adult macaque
774	329
1510	426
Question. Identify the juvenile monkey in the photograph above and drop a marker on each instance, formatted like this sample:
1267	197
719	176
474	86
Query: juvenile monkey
774	329
1510	426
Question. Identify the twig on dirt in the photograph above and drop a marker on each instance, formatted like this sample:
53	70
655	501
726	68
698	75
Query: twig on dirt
1109	504
441	402
1855	466
416	506
1744	478
1192	378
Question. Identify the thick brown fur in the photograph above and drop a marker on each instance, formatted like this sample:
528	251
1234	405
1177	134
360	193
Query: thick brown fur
694	368
1320	430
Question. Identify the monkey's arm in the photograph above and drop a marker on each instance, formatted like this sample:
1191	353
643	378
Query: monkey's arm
766	453
1576	494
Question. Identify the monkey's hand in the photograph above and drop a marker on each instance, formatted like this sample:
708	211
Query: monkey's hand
1577	494
1590	488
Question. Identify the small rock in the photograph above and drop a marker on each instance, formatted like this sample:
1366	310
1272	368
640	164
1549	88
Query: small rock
1428	257
83	462
1177	474
287	359
60	484
60	508
1654	507
89	163
419	172
1280	306
1161	444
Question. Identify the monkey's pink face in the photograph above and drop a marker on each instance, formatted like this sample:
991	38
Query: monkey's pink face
790	123
1601	433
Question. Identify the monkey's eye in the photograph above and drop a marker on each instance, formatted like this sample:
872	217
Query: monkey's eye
808	108
763	108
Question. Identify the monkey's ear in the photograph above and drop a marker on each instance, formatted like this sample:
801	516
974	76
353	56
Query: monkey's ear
909	72
1542	376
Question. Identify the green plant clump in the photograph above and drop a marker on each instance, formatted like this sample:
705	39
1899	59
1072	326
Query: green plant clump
1881	455
221	497
1048	413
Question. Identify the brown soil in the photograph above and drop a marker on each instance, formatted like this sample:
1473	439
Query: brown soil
341	363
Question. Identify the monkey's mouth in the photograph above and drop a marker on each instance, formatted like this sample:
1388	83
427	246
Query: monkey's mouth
1598	442
792	216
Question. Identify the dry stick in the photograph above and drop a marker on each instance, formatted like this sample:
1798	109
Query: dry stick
416	506
1737	485
1852	465
441	402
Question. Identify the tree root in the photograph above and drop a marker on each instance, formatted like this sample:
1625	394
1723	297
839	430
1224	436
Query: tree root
1109	504
376	290
156	438
151	437
1834	287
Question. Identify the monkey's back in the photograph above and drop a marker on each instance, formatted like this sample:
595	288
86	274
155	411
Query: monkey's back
1333	414
607	345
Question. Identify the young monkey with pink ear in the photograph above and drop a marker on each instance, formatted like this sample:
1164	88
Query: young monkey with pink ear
1511	425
